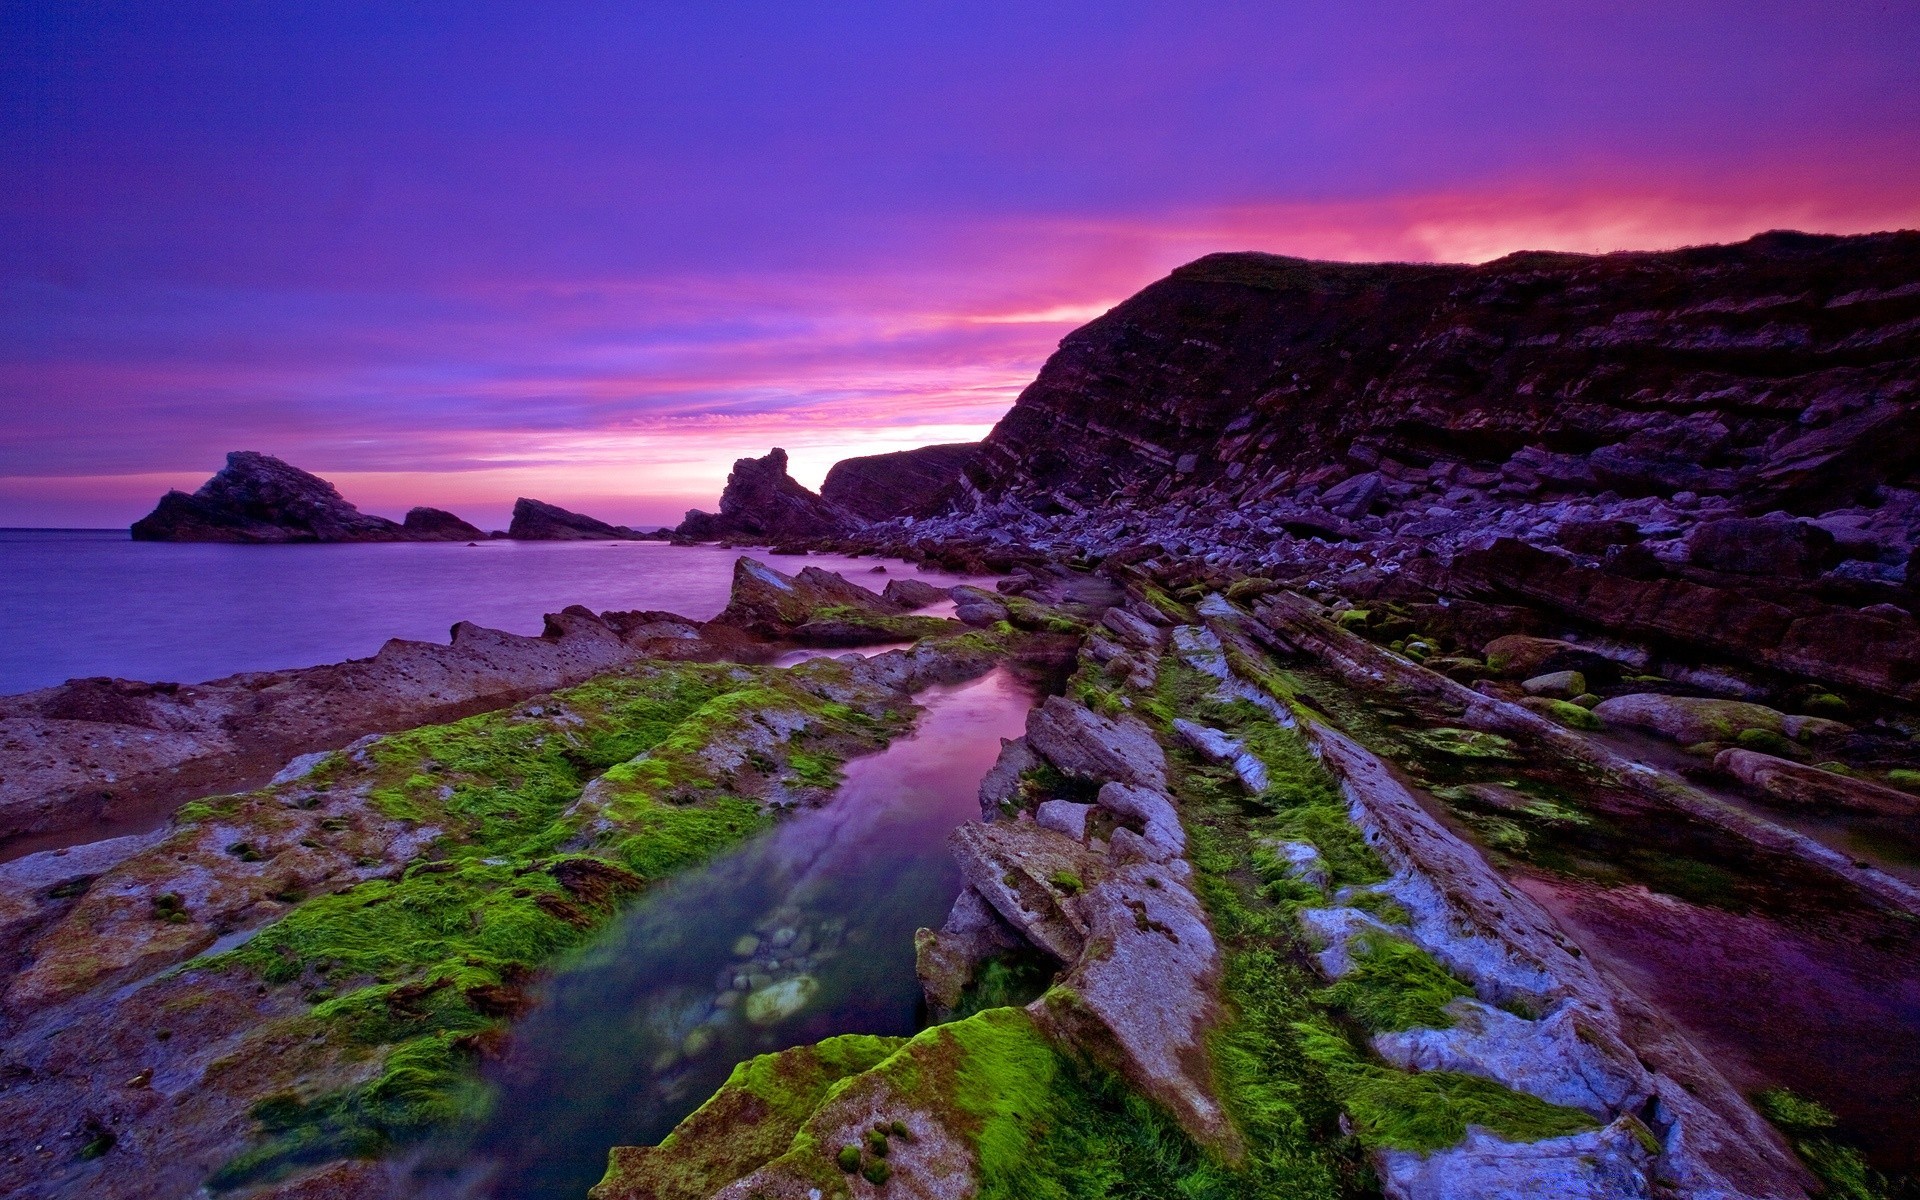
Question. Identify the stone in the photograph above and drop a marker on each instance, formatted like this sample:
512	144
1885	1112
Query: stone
771	603
778	1001
1163	836
1554	1058
1084	745
259	498
1064	816
910	594
1027	875
945	962
538	521
1556	685
1610	1163
1688	720
1797	785
1000	787
978	607
1520	656
1760	546
1216	747
761	502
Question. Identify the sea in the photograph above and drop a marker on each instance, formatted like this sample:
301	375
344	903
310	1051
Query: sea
88	602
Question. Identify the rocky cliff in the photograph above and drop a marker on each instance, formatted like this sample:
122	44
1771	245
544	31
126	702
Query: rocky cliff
1777	372
258	498
1714	451
908	483
763	503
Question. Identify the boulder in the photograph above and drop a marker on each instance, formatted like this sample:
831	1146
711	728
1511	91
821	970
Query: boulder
1797	785
1519	656
978	607
1027	875
1597	537
907	483
1000	787
909	594
945	962
538	521
1689	720
773	604
1164	838
439	525
1064	816
1760	546
258	498
763	503
1556	685
1084	745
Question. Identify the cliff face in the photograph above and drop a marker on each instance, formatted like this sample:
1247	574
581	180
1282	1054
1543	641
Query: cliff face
258	498
909	483
1781	370
762	502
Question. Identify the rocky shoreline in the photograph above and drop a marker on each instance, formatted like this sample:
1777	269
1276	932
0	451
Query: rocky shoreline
1481	757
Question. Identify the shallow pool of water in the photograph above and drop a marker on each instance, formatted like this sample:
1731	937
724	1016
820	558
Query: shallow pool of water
803	933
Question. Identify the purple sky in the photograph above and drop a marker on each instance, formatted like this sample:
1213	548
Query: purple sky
451	254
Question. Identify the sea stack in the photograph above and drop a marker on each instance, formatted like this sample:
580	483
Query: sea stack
763	503
258	498
538	521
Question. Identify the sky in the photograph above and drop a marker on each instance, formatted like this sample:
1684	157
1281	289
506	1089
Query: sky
452	254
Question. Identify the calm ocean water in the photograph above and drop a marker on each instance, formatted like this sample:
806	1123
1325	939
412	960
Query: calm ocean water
95	602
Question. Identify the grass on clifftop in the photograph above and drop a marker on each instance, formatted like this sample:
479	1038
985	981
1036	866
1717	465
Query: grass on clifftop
422	970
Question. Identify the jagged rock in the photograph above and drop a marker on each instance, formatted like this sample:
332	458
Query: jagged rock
1688	720
1135	632
1000	787
762	502
945	962
1799	786
538	521
1603	1164
767	602
907	483
1217	747
976	606
439	525
1084	745
1027	875
1064	816
1164	839
1760	546
1555	1058
258	498
1145	1003
909	594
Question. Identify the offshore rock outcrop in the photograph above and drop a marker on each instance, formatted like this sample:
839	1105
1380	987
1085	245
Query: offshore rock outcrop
538	521
906	483
259	498
762	503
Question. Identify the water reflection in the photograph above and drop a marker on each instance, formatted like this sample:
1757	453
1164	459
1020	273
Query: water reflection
804	933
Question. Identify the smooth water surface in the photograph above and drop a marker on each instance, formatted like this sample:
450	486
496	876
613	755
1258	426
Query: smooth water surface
77	603
819	912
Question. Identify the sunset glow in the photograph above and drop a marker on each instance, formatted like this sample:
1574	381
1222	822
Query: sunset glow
600	285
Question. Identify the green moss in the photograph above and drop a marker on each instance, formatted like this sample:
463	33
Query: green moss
1394	985
848	1159
1573	716
1464	743
1900	777
1429	1110
1352	618
1067	882
820	770
1766	741
1808	1125
1825	704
